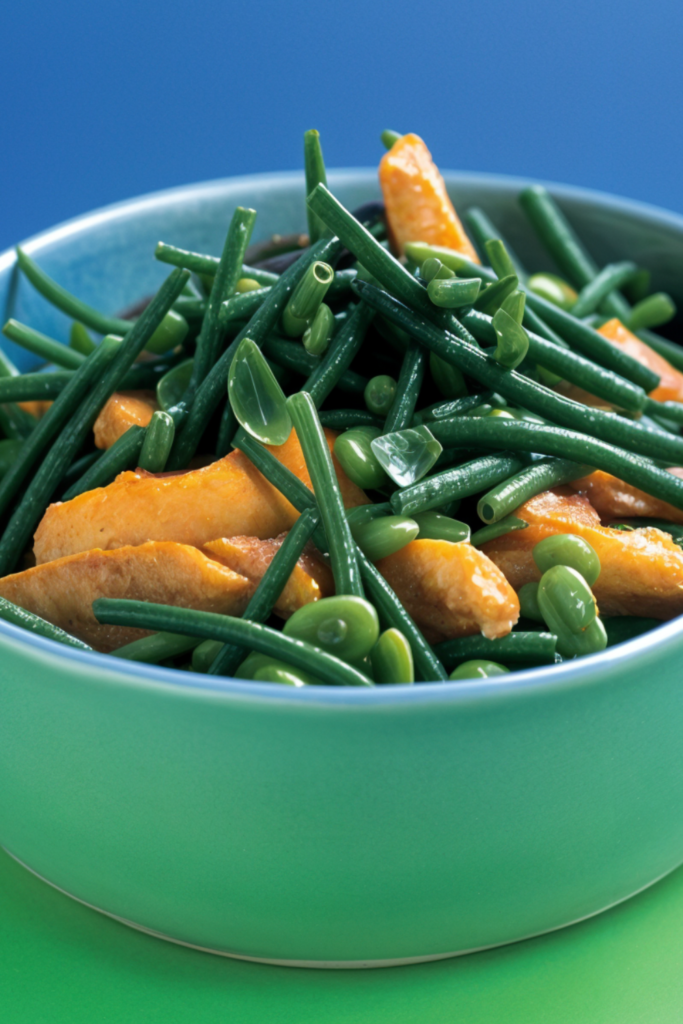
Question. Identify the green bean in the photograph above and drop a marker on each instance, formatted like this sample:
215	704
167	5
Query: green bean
212	388
514	305
379	394
339	356
392	658
612	277
353	450
155	648
567	549
569	365
384	536
553	289
408	388
669	350
671	410
211	626
202	264
447	377
158	441
362	514
528	602
294	489
389	137
78	468
228	273
70	440
292	356
512	340
652	311
524	392
458	482
625	627
48	350
436	526
314	166
393	614
563	244
317	335
10	450
433	269
530	481
453	293
306	298
345	419
30	387
256	398
515	648
448	409
506	525
122	455
242	307
272	671
346	626
489	240
34	624
493	296
80	340
327	494
55	418
568	607
225	661
478	669
170	332
560	442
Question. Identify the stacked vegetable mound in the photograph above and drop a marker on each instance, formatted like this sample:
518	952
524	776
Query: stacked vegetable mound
291	438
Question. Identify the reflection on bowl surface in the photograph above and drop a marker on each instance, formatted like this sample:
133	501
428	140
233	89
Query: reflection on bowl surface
324	825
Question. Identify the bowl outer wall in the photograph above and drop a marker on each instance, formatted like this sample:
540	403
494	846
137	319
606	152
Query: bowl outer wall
332	825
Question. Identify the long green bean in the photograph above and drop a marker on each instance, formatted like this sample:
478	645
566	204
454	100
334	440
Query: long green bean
505	497
150	650
611	277
314	166
483	231
34	624
515	648
408	389
47	349
271	585
209	625
458	482
69	441
122	455
34	387
200	263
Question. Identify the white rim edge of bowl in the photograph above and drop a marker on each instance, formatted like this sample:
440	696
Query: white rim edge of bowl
563	676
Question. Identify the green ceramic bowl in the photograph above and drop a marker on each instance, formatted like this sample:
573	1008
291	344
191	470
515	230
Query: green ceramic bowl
324	826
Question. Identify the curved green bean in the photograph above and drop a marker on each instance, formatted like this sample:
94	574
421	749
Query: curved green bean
530	481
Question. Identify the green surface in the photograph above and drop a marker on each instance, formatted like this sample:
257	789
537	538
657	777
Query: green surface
62	962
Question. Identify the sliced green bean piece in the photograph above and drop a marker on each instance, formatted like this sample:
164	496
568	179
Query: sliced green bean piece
55	418
393	614
458	482
155	648
170	331
212	389
652	311
34	624
568	549
168	618
340	354
612	276
384	536
392	658
432	269
499	259
80	340
69	442
158	441
407	455
515	648
203	264
225	661
567	604
345	626
173	385
522	391
453	293
47	349
513	340
478	668
514	305
492	297
327	494
530	481
357	459
553	289
256	398
435	526
122	455
379	394
314	166
389	137
495	530
317	335
306	298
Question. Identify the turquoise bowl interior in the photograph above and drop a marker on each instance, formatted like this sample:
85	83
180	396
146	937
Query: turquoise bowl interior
329	827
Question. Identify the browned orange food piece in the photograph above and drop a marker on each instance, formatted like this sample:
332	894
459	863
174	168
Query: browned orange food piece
37	407
123	410
670	388
641	571
613	499
451	589
63	591
417	203
229	498
250	557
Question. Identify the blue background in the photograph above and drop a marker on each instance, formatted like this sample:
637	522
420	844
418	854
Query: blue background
105	101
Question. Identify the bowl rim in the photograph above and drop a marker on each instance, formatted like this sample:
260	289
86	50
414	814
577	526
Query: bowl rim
556	678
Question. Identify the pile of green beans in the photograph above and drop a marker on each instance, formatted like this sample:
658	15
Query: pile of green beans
446	383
